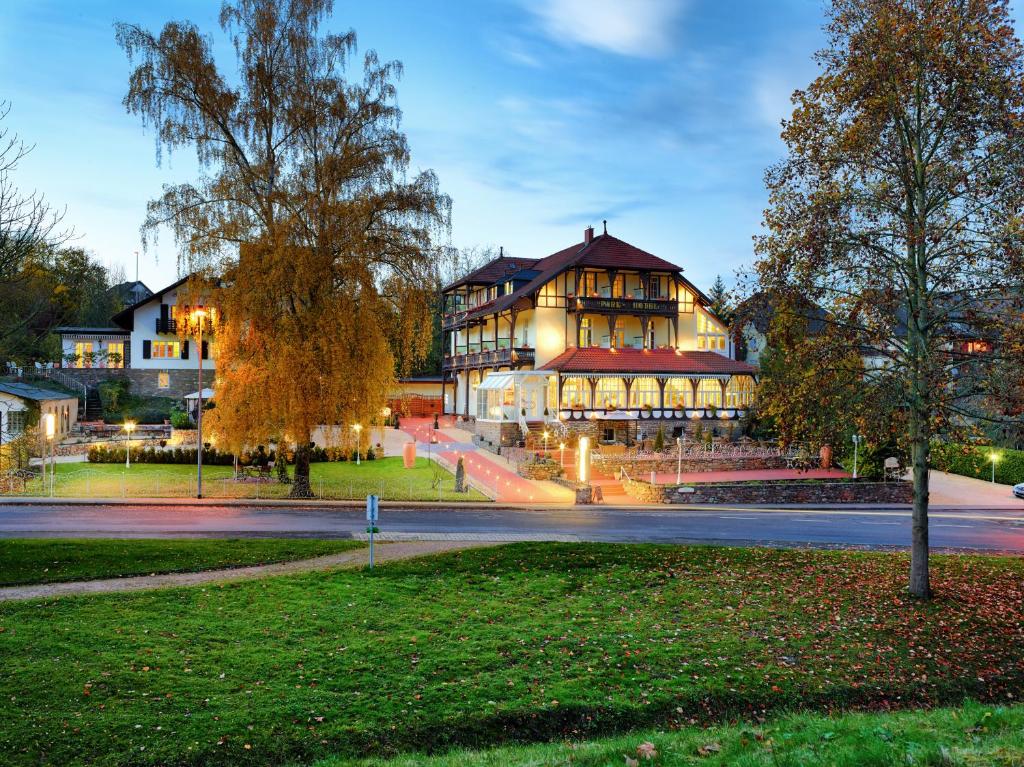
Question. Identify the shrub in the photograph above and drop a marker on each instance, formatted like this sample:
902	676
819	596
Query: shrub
975	461
180	419
659	440
117	454
113	394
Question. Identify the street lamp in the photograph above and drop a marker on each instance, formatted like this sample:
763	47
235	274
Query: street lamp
129	427
857	439
357	428
994	457
50	429
198	315
561	454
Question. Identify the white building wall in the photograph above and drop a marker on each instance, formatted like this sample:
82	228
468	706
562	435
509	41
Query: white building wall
145	330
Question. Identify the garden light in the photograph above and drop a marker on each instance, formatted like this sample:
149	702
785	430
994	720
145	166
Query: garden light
129	427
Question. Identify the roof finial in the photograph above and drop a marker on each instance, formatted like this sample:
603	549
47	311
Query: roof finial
605	222
501	251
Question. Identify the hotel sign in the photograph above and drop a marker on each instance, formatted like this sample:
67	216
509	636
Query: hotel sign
627	305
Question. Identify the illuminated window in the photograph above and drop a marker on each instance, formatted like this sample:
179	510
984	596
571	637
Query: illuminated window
115	354
576	393
685	298
618	286
644	391
83	354
586	332
977	347
710	335
739	392
678	393
588	284
165	350
709	393
611	393
618	339
163	380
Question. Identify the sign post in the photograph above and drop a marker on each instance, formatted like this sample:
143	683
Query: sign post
372	505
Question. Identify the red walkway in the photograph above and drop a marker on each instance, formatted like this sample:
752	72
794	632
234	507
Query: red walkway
422	429
510	487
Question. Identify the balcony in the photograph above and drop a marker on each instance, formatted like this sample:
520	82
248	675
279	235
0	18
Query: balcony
600	305
453	319
168	325
473	358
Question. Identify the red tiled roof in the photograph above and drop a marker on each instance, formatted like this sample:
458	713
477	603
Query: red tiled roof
599	360
612	253
494	271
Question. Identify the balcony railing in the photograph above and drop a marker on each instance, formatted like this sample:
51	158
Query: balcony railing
453	319
170	325
600	305
473	358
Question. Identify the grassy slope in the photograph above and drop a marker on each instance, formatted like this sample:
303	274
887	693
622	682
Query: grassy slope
527	642
335	479
25	560
969	735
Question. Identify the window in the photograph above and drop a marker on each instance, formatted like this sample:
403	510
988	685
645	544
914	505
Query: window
740	392
166	350
576	393
588	284
710	335
685	298
650	336
656	287
618	339
618	286
678	393
15	422
586	332
115	354
611	393
645	391
709	393
163	380
83	354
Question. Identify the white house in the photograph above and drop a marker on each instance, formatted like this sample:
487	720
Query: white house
154	343
17	401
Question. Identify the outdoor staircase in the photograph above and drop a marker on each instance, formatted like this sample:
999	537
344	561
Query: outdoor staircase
93	410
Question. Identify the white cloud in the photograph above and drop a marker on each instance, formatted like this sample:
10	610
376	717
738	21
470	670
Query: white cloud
631	28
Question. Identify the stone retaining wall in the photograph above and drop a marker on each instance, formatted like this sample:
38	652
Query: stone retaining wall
541	470
144	382
772	492
641	467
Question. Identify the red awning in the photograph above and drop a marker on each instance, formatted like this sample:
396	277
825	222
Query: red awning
642	361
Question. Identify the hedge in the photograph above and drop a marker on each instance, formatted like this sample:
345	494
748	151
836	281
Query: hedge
211	456
975	461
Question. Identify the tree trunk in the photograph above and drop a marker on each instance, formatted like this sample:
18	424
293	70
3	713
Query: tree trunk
920	585
301	487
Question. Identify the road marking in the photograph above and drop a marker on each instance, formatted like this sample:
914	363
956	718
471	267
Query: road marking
865	522
733	516
811	520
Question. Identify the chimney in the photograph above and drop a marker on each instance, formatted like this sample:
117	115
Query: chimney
588	235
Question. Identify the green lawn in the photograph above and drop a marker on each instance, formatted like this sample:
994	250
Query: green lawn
528	642
341	480
34	560
972	734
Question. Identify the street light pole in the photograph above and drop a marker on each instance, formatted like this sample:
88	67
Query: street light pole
993	457
129	426
200	314
679	460
357	428
857	438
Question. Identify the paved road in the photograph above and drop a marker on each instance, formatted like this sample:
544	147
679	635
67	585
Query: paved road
994	529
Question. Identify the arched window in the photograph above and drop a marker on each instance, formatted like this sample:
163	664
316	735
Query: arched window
709	393
611	393
644	391
678	393
576	392
739	392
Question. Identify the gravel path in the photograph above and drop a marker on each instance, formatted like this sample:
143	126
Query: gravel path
388	552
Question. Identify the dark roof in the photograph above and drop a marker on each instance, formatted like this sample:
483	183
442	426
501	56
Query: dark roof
600	360
604	251
96	331
34	393
759	310
126	317
493	271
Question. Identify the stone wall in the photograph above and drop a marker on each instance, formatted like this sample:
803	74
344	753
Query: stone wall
542	470
500	433
648	427
757	493
641	467
145	383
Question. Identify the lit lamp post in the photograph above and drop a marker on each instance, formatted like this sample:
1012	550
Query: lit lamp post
357	428
50	429
561	454
679	460
198	315
546	442
857	439
386	414
584	468
129	427
994	457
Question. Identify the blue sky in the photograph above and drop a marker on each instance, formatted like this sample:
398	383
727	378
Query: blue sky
539	116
